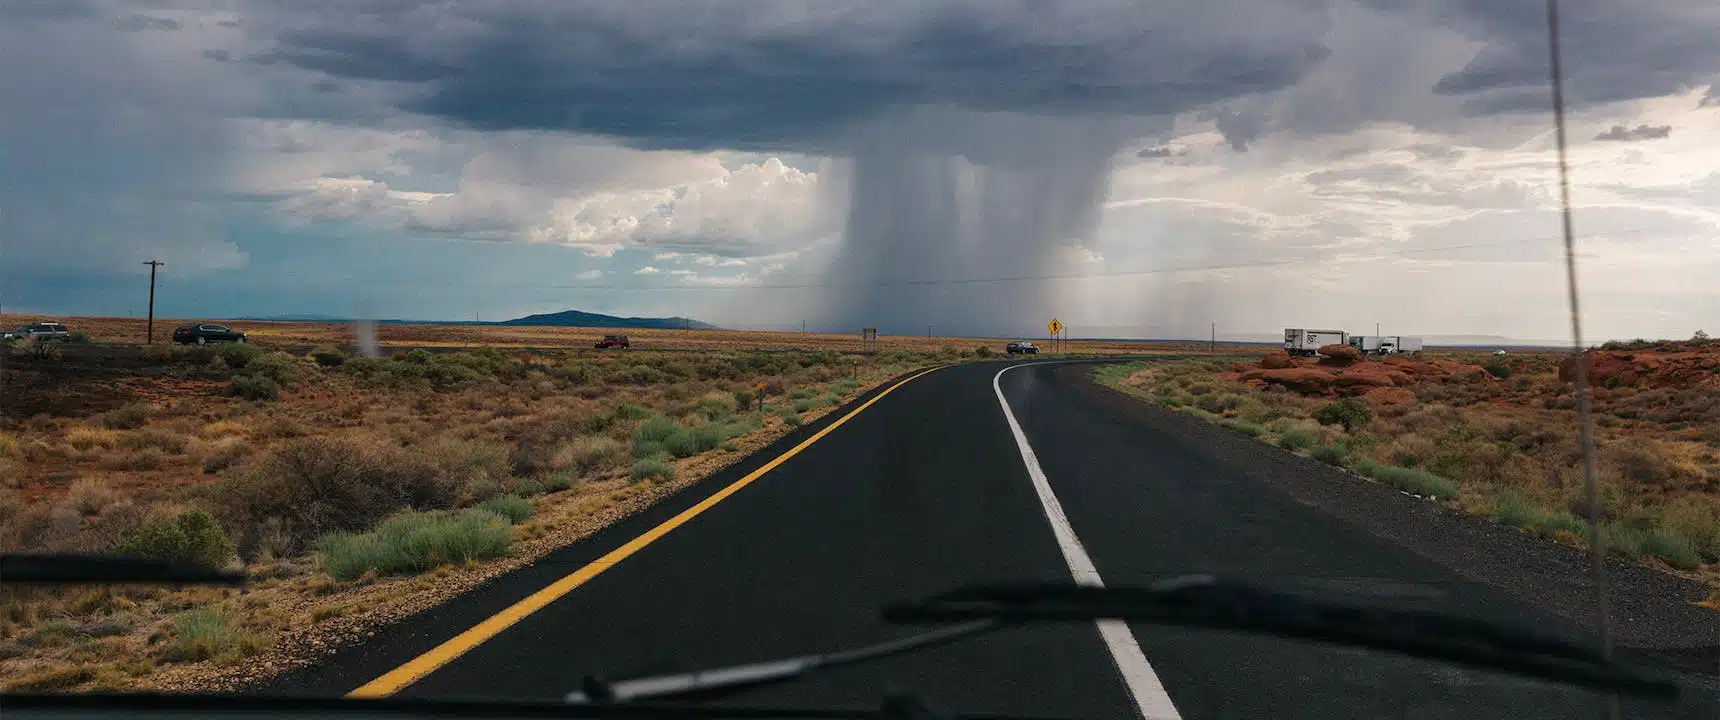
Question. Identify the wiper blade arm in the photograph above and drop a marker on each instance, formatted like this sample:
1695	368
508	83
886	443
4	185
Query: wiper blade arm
718	680
75	568
184	705
1189	601
1205	601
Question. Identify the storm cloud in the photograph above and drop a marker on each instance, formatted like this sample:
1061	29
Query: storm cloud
1613	50
787	74
980	132
1621	133
1159	151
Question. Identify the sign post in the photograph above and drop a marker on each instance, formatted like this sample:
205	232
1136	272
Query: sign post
1055	327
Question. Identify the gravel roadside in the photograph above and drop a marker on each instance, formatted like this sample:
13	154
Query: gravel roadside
1653	613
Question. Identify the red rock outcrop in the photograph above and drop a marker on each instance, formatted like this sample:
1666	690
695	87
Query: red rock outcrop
1277	360
1681	365
1341	353
1371	375
1308	381
1346	371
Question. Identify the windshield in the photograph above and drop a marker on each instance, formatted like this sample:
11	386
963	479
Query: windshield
505	343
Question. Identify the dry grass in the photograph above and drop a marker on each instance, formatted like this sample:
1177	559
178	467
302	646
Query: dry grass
129	417
90	496
86	439
589	454
160	438
10	447
131	454
223	429
210	633
58	677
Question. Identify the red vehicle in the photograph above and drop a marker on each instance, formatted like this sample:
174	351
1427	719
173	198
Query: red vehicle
613	341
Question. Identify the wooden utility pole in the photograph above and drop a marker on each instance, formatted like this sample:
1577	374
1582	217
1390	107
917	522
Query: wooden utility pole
1212	340
150	332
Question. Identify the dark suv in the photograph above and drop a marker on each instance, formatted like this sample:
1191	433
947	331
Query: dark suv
205	333
613	341
40	331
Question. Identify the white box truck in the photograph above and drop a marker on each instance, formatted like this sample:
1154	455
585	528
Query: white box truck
1385	344
1368	344
1298	341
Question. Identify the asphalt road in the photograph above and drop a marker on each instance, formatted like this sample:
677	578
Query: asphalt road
927	490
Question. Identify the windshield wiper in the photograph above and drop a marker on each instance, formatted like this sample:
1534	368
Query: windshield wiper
210	705
69	568
1190	601
718	680
1220	604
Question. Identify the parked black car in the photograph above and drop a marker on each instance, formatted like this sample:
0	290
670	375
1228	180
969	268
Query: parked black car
205	333
1021	347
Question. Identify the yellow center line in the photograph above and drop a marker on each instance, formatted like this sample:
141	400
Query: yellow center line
394	680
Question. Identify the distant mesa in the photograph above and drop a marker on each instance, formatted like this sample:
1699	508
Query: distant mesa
585	319
565	318
308	317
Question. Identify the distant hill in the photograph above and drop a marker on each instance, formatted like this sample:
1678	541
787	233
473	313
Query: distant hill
576	318
565	318
309	317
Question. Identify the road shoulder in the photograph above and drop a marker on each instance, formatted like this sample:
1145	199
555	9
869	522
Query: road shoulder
1654	615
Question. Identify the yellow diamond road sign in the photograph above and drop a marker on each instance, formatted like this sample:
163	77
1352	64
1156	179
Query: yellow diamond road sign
1055	327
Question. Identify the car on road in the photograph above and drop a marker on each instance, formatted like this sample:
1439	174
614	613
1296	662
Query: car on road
1022	347
613	341
39	331
205	333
